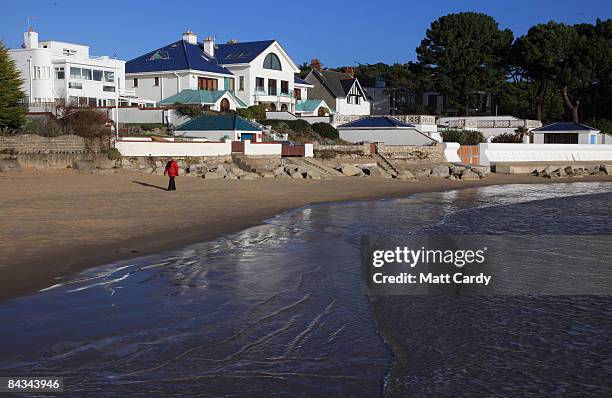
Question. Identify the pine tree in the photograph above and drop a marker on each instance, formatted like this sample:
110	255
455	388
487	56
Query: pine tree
12	111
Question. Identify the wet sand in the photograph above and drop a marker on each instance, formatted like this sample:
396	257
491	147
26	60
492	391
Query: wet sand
60	222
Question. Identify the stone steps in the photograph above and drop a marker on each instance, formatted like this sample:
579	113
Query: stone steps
260	165
386	165
315	165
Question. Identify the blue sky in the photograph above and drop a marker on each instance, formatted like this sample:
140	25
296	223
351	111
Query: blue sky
336	32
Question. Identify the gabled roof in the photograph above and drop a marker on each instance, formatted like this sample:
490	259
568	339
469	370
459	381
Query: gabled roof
180	55
299	80
240	53
309	105
337	83
565	126
200	97
217	123
376	122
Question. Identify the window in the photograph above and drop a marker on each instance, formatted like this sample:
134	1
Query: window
59	73
561	138
110	89
109	77
135	82
205	83
349	100
75	85
41	72
86	74
298	93
241	83
97	75
68	52
75	73
284	87
271	86
156	82
272	62
259	84
229	83
357	100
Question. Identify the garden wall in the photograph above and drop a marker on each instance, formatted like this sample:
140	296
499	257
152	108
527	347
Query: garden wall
30	143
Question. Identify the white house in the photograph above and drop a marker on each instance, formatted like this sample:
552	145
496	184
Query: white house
566	133
385	129
265	74
312	108
342	91
54	70
182	65
258	72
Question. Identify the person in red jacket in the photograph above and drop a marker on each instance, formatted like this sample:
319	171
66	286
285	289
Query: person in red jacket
171	170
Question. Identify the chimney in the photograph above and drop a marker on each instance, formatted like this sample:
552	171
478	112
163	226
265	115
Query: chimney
30	39
190	37
350	70
232	41
209	46
316	64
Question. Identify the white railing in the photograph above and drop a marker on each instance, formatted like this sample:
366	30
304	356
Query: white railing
501	123
416	119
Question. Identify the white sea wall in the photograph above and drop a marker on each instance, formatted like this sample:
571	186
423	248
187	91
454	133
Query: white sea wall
516	153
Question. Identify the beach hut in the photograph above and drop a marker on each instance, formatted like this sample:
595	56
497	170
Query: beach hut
566	133
218	127
384	129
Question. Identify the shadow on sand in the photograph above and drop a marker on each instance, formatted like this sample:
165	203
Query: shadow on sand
144	184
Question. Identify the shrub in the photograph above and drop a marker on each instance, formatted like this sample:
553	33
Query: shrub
45	127
299	125
463	137
113	154
511	138
84	122
187	110
257	112
326	130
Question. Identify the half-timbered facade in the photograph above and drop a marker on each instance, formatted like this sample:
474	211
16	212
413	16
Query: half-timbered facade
341	91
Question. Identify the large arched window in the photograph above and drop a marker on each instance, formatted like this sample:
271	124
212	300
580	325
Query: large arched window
272	62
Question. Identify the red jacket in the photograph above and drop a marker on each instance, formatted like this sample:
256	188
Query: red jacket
172	169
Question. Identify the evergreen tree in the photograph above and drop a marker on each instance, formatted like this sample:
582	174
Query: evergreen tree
12	111
466	54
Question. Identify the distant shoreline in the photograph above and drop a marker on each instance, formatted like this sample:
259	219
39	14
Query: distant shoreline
61	222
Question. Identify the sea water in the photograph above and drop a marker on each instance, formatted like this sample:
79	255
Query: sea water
280	310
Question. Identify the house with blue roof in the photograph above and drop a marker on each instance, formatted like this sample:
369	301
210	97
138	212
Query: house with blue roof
383	129
566	133
257	72
219	127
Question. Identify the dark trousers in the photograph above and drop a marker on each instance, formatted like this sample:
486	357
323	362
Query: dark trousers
171	184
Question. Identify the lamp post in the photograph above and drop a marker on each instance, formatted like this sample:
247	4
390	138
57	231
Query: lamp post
116	100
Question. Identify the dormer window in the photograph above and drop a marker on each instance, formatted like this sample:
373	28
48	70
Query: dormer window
272	62
159	55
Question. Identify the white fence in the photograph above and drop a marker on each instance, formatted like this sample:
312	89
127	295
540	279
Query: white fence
262	148
129	147
516	153
143	146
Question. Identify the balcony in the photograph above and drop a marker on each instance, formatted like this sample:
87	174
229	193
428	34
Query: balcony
262	95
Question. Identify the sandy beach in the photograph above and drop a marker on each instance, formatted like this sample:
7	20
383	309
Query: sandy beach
59	222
